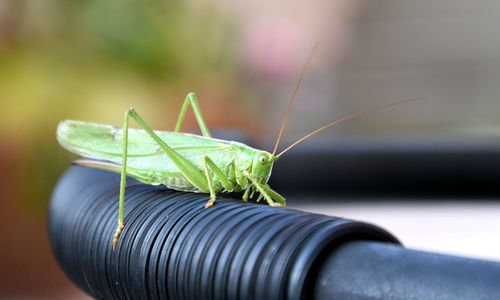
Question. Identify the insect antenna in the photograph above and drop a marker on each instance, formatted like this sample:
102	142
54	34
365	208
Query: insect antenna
358	114
294	95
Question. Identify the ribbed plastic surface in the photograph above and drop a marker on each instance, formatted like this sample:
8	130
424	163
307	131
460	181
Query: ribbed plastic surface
173	248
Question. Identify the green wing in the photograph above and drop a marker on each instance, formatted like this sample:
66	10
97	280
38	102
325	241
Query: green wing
104	142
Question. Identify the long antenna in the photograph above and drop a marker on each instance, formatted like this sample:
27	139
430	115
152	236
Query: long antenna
358	114
294	95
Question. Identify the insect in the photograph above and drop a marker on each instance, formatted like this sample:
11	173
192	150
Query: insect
180	161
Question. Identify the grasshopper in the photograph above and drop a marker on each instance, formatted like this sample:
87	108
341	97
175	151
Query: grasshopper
181	161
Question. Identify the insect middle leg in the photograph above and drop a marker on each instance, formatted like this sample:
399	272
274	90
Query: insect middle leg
193	101
228	186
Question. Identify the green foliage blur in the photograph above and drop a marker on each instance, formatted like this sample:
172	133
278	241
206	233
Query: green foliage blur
90	60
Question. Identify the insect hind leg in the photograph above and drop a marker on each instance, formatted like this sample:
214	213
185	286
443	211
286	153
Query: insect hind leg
193	101
123	177
188	170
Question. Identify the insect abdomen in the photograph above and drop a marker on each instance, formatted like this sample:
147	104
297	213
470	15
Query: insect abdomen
180	184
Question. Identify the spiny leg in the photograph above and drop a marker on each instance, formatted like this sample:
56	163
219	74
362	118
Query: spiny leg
261	189
188	170
211	201
280	199
123	177
245	194
228	186
191	99
259	198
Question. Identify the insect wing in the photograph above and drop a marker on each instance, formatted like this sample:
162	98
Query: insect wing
104	142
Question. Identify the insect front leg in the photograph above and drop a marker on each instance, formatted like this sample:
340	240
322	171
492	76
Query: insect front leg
275	195
193	101
261	189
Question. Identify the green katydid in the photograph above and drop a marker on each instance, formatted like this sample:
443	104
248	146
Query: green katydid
180	161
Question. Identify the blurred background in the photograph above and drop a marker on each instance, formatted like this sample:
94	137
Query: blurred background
90	60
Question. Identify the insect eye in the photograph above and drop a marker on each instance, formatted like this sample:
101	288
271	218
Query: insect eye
262	159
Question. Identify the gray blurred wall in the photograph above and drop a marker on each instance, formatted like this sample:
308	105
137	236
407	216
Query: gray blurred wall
445	50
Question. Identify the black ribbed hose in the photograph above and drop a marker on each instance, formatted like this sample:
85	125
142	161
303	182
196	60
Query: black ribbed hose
173	248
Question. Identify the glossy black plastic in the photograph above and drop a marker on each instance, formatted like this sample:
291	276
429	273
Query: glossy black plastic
173	248
367	270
